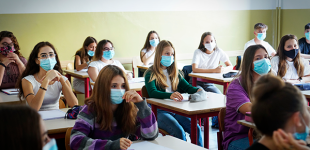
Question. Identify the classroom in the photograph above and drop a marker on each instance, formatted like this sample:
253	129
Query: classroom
155	75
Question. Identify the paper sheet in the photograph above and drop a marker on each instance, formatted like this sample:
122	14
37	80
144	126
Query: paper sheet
185	97
136	80
83	70
12	91
52	114
147	145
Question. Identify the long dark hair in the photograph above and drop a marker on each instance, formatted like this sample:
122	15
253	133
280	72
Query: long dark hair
201	45
32	67
20	128
99	48
83	50
10	35
147	44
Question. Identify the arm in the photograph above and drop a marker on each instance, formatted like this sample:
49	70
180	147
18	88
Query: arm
6	61
152	89
200	70
185	86
93	73
273	54
306	56
67	91
21	66
228	67
245	108
78	64
145	60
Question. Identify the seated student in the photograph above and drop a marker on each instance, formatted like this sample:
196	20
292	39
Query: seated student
12	63
42	81
278	105
255	63
23	129
260	34
148	51
304	43
163	80
82	59
111	114
288	64
103	57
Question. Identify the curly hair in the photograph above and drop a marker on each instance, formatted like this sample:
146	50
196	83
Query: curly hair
10	35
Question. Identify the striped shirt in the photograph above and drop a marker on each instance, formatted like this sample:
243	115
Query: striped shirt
85	135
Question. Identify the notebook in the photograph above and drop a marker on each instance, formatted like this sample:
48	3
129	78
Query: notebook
52	114
12	91
147	145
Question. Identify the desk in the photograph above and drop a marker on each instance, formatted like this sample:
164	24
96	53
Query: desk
83	75
216	78
204	109
307	94
10	99
57	128
173	143
251	126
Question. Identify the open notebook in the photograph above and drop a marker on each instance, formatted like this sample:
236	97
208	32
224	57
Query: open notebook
185	97
52	114
147	145
12	91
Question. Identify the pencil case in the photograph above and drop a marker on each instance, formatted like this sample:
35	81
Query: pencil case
248	117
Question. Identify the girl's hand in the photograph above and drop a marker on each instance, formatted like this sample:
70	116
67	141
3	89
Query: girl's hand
176	96
124	143
286	141
7	60
14	57
132	96
219	69
51	75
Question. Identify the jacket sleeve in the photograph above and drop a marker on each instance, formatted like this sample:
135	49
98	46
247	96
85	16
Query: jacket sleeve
152	89
185	86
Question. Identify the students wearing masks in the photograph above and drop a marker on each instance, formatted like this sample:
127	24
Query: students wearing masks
304	43
164	81
260	35
278	105
111	114
147	53
255	63
12	63
288	64
82	59
42	81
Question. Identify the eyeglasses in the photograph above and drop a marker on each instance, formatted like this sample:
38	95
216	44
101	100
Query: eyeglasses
108	49
7	44
45	56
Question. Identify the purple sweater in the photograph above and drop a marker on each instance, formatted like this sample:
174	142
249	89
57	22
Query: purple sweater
85	136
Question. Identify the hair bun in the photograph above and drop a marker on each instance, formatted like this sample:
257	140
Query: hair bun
266	85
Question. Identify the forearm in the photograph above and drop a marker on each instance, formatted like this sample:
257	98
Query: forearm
146	61
21	67
200	70
37	100
67	91
81	66
2	70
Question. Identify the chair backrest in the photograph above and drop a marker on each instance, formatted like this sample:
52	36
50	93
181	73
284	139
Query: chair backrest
187	70
61	103
144	92
238	62
221	118
67	138
70	66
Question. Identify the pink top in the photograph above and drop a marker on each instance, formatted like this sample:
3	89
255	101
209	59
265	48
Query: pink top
11	74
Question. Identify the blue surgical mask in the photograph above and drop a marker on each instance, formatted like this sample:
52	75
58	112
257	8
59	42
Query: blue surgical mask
291	53
154	42
262	66
307	35
302	136
108	54
90	53
51	145
167	60
48	64
117	96
261	36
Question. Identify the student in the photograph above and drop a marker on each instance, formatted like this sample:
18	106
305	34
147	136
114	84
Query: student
288	64
278	105
111	114
304	43
12	63
255	63
163	80
103	57
147	53
23	129
260	34
42	81
82	59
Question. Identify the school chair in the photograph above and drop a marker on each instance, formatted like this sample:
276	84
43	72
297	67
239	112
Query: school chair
62	102
238	63
146	95
67	138
70	66
221	117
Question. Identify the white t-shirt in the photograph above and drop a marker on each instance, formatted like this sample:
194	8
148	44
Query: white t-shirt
291	72
100	64
268	47
52	94
148	54
168	89
209	61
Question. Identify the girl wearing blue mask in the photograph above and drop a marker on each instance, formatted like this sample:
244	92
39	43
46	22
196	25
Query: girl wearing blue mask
42	82
113	115
147	53
103	57
82	59
288	63
163	80
278	106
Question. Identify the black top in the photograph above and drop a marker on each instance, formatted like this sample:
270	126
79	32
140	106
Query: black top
257	146
304	46
79	54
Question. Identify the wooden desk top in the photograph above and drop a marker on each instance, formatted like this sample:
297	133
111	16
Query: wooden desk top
246	123
173	143
59	125
306	93
212	76
213	103
10	99
79	74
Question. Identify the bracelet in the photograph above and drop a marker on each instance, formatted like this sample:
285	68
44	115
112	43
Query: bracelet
29	94
43	88
2	64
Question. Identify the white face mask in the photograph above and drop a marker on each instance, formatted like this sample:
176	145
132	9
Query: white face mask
210	46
